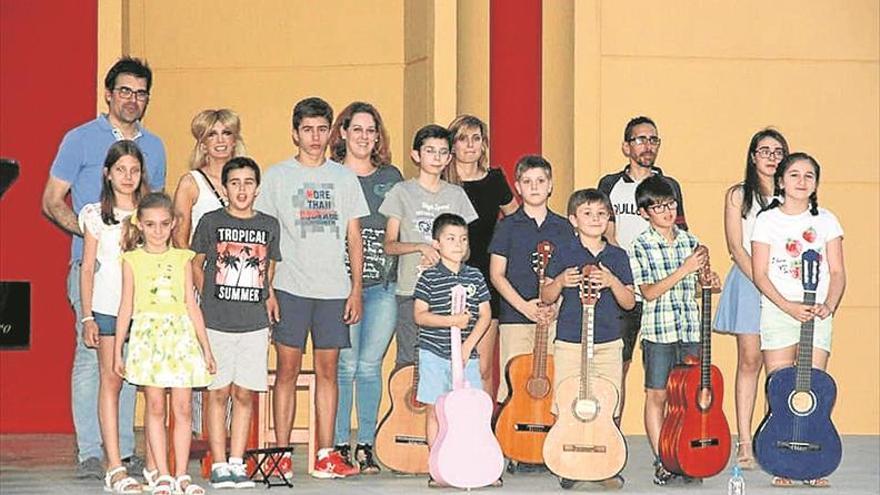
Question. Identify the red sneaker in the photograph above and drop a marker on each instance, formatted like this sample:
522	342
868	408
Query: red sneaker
333	466
284	468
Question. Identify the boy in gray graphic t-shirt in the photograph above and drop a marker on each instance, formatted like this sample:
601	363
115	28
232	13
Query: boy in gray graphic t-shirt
411	208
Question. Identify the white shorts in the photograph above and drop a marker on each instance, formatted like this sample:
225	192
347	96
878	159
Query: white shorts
242	359
779	330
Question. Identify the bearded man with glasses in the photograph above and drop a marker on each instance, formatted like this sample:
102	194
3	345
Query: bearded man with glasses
641	145
78	170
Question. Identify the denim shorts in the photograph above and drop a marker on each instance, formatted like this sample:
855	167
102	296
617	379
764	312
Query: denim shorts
435	376
659	359
106	324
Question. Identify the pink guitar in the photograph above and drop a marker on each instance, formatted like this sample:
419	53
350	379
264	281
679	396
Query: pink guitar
466	454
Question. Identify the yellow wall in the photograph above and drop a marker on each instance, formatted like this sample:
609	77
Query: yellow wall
711	74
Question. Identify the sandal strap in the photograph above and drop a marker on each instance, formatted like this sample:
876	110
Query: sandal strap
113	472
125	485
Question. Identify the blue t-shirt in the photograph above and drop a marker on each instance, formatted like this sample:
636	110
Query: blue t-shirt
80	162
606	322
516	238
435	288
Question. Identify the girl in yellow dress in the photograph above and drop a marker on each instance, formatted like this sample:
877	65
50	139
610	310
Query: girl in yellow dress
168	346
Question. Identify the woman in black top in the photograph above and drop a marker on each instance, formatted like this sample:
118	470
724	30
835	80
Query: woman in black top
490	195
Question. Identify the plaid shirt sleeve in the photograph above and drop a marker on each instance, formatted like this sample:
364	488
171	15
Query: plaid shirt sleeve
640	264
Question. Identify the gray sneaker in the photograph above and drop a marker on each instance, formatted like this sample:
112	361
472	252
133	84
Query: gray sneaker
134	463
239	475
90	468
221	476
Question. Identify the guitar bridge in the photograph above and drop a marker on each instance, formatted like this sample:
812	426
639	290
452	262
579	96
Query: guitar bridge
587	449
798	446
704	442
532	427
410	440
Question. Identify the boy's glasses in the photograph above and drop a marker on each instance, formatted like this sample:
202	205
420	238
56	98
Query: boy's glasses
126	93
441	152
662	207
643	140
765	152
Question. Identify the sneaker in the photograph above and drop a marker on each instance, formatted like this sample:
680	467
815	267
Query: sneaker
363	454
240	476
333	466
661	475
90	468
284	468
344	450
134	463
221	476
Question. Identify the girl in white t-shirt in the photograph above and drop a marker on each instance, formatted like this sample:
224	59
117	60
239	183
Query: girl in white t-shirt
124	183
782	233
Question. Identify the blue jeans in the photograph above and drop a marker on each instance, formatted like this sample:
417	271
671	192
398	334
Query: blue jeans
84	380
361	364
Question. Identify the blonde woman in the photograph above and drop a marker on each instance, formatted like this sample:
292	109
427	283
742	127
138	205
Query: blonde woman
490	195
218	138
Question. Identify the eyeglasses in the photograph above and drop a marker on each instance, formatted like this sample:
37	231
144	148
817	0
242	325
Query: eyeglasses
126	93
661	207
765	152
441	152
643	140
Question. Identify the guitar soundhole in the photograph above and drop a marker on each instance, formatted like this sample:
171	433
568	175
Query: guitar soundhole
704	399
538	387
585	409
411	402
802	403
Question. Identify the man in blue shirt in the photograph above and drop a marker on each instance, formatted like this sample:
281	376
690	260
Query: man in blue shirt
78	169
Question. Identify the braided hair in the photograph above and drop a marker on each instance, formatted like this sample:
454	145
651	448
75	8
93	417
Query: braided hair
778	192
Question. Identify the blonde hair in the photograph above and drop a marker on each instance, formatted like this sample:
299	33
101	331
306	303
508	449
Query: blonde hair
458	127
132	235
201	125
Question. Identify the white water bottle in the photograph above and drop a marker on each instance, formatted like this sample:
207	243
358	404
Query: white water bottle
737	484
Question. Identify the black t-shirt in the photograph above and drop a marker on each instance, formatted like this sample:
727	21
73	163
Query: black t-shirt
487	195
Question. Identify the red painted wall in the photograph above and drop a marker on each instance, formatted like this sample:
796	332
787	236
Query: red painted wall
48	57
514	81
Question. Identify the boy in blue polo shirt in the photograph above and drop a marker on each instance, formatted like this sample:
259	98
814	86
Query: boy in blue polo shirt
432	312
512	263
589	211
664	260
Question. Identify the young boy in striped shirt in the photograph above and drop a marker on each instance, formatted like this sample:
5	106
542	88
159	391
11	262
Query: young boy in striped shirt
433	314
664	262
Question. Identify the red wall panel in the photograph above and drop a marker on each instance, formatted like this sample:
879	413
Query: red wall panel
514	81
48	57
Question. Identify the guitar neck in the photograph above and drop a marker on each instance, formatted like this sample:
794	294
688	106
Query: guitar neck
706	340
805	348
586	391
539	353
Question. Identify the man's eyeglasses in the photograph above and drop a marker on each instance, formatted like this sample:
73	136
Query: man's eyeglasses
765	152
661	207
643	140
126	93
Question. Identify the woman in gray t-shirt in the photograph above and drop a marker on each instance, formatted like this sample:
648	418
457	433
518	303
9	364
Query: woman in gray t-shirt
359	141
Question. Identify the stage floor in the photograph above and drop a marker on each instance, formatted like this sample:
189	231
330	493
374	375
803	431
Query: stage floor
44	464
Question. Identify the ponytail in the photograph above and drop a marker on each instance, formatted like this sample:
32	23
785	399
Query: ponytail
132	235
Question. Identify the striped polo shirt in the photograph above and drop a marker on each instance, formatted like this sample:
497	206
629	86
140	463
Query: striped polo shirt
435	288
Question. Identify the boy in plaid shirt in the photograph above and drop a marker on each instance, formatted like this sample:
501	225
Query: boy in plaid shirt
664	263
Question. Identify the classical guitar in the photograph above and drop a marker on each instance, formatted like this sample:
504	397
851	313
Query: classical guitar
401	442
797	439
585	444
465	453
525	418
695	436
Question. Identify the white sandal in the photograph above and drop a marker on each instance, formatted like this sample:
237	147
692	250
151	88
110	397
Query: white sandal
191	488
165	485
150	477
125	485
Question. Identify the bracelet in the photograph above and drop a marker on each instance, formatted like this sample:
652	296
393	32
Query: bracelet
87	318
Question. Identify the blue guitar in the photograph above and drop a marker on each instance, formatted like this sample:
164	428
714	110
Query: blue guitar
797	439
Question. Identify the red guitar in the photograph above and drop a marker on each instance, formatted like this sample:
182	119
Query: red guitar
525	417
695	436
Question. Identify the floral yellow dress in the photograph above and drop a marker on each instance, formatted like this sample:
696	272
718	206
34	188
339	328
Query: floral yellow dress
163	350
